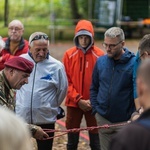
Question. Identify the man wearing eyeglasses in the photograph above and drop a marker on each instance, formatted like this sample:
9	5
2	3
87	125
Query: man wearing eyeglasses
15	44
111	92
38	101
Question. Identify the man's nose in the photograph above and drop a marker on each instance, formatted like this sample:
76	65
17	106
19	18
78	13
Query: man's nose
41	53
107	47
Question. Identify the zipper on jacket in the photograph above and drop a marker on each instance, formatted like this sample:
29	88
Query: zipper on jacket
80	63
84	63
110	89
32	93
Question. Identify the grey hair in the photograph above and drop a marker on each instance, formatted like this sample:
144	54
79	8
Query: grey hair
115	32
31	43
144	44
14	130
2	44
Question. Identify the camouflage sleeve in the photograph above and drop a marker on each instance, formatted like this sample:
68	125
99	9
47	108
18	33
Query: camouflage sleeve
3	102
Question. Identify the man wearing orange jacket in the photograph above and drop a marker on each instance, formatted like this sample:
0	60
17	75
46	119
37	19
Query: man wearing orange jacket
79	62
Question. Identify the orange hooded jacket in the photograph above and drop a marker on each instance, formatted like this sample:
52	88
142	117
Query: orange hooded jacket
79	65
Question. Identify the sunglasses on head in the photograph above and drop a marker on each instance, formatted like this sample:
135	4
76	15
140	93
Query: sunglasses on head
37	37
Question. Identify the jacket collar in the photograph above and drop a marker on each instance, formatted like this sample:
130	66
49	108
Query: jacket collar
21	45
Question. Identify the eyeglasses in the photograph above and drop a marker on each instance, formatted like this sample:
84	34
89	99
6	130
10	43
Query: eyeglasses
111	46
14	28
37	37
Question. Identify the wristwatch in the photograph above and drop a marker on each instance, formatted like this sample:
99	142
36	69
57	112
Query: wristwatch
33	130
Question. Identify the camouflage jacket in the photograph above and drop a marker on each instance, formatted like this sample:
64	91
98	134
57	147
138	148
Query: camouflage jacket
7	98
6	93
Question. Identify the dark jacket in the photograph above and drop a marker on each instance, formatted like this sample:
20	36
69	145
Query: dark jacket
135	136
136	65
111	92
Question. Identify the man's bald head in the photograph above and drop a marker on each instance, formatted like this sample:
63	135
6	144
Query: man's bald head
15	30
16	23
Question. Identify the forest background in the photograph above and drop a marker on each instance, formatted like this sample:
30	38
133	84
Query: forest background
41	15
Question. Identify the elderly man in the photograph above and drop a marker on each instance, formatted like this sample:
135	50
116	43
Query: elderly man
13	76
15	44
38	101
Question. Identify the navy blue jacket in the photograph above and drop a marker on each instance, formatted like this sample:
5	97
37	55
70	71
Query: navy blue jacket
111	91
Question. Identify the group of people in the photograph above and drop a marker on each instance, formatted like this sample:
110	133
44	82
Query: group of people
93	84
33	83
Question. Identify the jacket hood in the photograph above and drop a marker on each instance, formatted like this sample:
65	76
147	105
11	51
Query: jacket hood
7	45
84	27
126	56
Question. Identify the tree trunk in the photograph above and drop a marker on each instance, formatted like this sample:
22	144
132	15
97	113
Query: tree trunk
6	13
74	10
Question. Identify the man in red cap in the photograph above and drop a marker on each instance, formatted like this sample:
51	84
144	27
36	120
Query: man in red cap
13	76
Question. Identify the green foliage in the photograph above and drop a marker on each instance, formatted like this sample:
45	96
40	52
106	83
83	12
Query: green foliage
1	9
87	9
37	15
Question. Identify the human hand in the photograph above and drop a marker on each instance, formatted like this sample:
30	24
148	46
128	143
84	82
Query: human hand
5	57
40	134
135	115
85	105
1	58
141	110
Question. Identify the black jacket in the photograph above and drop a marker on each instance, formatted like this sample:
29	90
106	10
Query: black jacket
135	136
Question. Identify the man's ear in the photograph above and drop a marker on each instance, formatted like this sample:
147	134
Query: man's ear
29	47
123	43
11	71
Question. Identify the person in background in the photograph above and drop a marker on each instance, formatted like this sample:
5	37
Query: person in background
111	92
79	62
14	133
136	135
39	100
2	44
143	52
15	44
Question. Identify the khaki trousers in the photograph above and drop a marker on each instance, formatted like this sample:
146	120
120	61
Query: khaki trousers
105	134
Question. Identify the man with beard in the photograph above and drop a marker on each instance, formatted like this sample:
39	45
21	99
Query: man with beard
111	92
